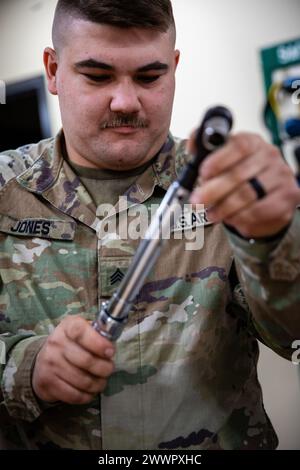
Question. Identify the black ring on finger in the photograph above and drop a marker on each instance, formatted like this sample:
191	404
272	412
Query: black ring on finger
258	188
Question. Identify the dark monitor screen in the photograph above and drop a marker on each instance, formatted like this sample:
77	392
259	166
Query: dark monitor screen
24	119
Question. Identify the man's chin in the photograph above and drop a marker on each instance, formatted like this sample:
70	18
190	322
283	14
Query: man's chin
123	156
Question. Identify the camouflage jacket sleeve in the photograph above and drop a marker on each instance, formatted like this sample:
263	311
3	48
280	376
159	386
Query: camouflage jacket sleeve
17	359
269	288
17	351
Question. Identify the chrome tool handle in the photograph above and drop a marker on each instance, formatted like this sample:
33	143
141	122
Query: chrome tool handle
113	314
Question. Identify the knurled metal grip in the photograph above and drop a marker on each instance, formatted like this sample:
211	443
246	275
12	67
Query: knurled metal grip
110	328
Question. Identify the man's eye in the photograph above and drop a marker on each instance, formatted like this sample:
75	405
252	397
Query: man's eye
148	78
97	78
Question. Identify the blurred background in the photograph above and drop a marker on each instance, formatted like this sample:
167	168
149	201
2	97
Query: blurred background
221	62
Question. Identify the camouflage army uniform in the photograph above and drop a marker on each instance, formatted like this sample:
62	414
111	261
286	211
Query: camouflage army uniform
186	363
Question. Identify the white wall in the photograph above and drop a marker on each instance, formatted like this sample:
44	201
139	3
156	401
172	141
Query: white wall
25	30
219	41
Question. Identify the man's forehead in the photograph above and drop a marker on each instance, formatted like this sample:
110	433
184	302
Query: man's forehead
93	46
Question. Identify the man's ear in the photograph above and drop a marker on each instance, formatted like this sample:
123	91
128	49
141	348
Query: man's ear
50	63
176	57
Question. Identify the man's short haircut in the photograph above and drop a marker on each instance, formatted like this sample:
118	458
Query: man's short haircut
151	14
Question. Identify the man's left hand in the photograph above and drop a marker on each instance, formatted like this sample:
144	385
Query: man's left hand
231	198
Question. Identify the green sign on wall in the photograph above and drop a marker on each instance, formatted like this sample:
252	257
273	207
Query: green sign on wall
279	62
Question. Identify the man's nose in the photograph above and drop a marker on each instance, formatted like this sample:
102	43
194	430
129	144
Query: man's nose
125	99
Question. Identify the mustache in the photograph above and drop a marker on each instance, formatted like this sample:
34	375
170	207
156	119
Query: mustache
125	120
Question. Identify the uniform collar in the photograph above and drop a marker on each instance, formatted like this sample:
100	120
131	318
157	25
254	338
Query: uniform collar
163	171
51	177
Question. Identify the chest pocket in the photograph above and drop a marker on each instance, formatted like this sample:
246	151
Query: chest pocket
47	272
39	228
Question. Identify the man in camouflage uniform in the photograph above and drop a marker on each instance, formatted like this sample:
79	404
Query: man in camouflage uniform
183	373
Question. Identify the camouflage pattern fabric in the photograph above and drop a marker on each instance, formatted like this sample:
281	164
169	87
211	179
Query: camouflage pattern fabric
185	373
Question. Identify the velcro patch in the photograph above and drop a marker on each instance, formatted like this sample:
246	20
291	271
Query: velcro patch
112	270
41	228
191	219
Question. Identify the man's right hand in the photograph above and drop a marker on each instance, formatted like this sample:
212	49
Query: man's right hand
74	363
